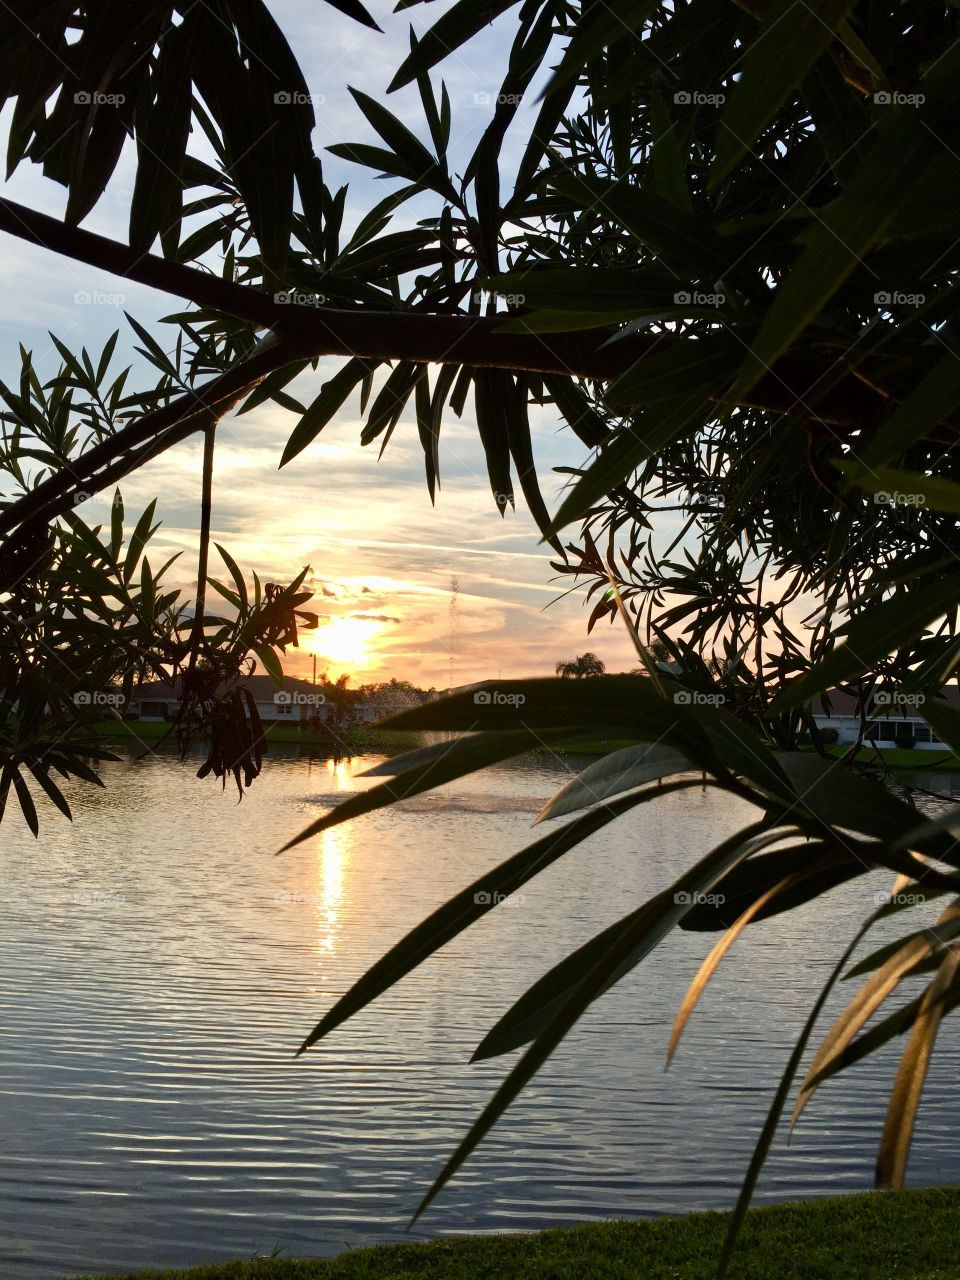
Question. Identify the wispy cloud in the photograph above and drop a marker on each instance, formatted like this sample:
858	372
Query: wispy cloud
456	591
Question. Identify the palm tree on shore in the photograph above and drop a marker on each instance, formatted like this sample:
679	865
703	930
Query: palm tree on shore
585	664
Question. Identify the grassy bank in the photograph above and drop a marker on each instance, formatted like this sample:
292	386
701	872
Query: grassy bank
902	1235
907	758
367	740
897	758
363	740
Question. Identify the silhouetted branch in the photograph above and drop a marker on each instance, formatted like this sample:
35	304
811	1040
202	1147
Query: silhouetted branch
432	338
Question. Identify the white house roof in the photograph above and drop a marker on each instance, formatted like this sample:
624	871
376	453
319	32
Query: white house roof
262	687
836	703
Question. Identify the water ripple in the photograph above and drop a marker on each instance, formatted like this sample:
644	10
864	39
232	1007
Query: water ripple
156	983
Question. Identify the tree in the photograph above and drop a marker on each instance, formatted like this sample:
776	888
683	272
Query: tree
344	699
585	664
727	259
388	697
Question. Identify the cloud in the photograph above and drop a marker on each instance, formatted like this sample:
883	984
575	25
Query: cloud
366	527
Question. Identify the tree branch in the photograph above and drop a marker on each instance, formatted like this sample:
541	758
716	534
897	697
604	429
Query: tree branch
431	338
189	413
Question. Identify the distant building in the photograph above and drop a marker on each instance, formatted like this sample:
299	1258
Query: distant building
298	701
895	720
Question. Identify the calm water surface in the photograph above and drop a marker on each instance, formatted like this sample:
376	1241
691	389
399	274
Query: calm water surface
159	966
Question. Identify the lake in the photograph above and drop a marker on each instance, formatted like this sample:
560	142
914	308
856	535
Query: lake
160	966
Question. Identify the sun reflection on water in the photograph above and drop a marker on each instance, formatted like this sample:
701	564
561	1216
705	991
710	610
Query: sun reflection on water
334	849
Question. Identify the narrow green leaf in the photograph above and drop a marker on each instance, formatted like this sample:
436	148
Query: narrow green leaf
116	524
453	29
619	771
944	720
842	798
271	663
545	1001
892	487
331	398
494	436
664	227
708	736
50	788
27	807
587	289
872	635
461	758
237	576
861	1008
162	142
741	886
912	1073
789	41
461	911
882	1032
421	165
942	933
639	932
937	396
138	540
669	155
630	447
770	1125
391	400
695	363
892	176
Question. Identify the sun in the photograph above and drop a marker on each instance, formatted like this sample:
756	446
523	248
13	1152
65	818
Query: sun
345	641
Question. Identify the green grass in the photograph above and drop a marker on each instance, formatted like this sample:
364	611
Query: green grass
361	740
906	758
893	1235
367	740
894	758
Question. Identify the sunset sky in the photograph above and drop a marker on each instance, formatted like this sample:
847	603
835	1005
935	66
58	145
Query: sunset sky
383	561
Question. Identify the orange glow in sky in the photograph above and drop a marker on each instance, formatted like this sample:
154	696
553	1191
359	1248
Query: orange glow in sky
348	642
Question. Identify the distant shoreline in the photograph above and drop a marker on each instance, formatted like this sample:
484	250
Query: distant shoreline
369	740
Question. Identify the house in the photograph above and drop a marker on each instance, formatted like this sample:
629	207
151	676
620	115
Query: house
297	702
895	719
